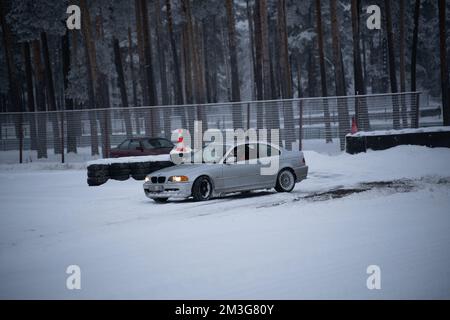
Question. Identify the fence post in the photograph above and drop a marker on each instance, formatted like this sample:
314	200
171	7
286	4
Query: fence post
20	139
248	116
416	110
300	123
62	136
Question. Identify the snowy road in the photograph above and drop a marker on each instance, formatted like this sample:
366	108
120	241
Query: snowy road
388	208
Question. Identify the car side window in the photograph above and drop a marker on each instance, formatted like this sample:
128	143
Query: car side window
134	144
124	145
163	143
265	150
147	144
245	152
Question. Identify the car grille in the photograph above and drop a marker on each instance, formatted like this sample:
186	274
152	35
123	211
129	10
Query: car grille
158	179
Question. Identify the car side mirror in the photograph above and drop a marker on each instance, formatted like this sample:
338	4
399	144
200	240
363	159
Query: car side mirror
230	160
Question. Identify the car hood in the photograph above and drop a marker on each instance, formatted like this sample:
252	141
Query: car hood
181	169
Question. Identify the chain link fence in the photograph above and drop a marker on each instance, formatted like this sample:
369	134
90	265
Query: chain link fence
80	135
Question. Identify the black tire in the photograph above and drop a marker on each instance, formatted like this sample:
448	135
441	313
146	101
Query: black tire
120	177
202	189
160	200
98	171
116	169
285	181
92	182
139	170
119	171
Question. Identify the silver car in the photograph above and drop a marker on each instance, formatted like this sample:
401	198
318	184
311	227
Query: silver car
228	169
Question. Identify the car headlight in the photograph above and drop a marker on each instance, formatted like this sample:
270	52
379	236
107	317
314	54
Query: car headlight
178	179
147	179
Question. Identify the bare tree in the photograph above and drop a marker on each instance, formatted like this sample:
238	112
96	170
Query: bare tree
235	85
415	122
122	87
323	74
343	117
444	68
362	114
391	58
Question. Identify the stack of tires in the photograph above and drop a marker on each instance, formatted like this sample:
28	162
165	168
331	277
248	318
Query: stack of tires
98	174
119	171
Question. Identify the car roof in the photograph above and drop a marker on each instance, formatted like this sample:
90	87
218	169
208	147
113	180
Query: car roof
145	138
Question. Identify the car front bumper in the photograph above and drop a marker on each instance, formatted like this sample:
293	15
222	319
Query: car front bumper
168	190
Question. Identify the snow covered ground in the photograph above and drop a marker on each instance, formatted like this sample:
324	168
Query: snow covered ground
388	208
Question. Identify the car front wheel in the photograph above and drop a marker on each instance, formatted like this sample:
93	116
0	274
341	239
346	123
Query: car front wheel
285	181
202	189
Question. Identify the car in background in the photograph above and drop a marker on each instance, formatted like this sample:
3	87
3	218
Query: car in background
142	146
229	169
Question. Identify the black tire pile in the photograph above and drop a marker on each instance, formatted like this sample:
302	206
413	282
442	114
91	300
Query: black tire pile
99	174
357	144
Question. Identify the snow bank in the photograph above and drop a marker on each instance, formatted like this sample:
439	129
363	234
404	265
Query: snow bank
265	246
401	131
395	163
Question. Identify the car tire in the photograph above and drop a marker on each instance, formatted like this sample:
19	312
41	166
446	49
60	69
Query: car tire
139	170
285	181
98	171
119	171
160	200
202	189
93	182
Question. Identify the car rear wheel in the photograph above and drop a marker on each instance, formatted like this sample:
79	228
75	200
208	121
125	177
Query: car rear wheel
202	189
285	181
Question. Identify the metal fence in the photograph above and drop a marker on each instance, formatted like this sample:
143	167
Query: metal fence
79	135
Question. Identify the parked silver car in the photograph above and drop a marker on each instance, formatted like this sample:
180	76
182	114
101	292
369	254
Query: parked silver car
228	169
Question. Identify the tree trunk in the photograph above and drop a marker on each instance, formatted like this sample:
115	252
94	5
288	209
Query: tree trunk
267	94
235	85
414	45
40	100
30	94
392	70
342	108
69	104
12	77
402	63
252	47
323	75
362	115
415	121
152	122
51	99
286	80
122	87
133	81
92	77
140	45
444	67
178	87
161	48
259	65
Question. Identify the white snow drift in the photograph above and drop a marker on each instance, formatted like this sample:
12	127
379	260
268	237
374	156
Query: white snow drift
267	245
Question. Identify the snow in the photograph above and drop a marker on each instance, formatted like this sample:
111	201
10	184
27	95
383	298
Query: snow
400	131
264	246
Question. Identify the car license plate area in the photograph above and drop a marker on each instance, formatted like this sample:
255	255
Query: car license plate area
155	188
